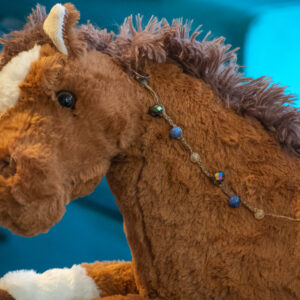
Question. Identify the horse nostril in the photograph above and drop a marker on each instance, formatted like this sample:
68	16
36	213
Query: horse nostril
8	167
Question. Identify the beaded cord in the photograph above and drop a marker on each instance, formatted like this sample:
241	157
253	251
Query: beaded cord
195	158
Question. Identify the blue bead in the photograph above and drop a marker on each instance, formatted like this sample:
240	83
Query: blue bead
176	132
234	201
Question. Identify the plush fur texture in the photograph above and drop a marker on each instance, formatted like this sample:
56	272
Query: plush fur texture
54	284
114	278
186	242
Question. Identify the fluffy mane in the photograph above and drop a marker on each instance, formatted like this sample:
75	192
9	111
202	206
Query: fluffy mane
210	60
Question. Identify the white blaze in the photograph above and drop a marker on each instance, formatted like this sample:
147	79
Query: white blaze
13	74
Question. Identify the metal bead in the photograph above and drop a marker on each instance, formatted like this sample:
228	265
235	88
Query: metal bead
259	214
176	132
219	177
143	82
234	201
195	157
156	110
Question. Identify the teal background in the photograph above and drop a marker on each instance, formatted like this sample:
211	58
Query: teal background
272	47
267	33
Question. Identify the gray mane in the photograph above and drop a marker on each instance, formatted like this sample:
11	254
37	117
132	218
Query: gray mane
210	60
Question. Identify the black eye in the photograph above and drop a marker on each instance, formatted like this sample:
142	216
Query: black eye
66	98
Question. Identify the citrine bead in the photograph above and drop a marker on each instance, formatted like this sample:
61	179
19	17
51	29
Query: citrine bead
156	110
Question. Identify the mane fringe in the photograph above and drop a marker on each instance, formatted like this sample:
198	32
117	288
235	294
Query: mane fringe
214	62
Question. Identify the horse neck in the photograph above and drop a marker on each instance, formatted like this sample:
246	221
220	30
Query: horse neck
164	198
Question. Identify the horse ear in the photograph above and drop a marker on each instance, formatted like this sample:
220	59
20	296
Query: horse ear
59	26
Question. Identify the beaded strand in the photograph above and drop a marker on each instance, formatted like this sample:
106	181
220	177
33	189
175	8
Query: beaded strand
234	201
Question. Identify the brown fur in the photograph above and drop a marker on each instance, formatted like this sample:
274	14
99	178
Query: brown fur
5	296
113	278
120	297
74	43
185	240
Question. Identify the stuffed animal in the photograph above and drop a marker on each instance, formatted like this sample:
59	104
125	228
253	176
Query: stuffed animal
204	163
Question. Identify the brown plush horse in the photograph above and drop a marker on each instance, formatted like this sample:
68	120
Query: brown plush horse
210	208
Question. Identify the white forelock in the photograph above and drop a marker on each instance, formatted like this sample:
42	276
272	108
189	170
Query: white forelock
13	74
54	284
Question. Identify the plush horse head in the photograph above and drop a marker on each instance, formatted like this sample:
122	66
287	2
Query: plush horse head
62	121
72	112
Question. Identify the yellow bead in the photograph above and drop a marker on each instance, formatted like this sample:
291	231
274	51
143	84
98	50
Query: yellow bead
195	157
259	214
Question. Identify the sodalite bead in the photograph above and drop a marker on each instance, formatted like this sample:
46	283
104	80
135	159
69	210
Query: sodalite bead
234	201
176	132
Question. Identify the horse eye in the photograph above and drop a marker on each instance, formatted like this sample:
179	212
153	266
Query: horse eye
66	98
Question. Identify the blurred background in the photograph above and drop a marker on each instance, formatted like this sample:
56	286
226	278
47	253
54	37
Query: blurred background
267	32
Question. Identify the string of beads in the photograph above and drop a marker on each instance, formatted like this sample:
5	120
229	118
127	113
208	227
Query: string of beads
218	178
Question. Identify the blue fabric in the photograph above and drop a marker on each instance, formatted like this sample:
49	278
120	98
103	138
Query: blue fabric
84	234
273	47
